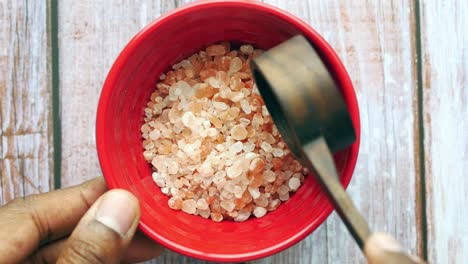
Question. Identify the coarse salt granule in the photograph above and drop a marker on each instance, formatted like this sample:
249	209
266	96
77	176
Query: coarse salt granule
212	143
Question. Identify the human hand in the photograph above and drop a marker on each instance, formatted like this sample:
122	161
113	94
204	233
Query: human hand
381	248
81	224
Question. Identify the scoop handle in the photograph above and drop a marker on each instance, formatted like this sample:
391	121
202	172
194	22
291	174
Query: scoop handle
318	158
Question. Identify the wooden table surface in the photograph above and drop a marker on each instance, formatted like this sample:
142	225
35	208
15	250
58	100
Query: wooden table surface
408	61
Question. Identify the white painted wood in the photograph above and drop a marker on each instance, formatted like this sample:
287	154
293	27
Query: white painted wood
91	35
26	147
375	41
444	26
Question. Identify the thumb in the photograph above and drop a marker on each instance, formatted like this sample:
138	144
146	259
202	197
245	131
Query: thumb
105	231
381	248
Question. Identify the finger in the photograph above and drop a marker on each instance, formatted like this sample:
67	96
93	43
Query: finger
377	245
38	219
104	233
381	248
141	248
48	253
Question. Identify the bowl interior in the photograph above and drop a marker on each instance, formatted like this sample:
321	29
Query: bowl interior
120	116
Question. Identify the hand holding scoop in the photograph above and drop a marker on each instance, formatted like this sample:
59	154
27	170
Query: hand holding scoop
310	114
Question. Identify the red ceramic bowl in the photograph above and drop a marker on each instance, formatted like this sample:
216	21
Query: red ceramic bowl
129	84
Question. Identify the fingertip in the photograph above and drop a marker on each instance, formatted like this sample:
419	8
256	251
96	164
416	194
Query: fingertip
119	210
384	242
377	245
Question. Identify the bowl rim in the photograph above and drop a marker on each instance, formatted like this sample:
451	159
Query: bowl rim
133	44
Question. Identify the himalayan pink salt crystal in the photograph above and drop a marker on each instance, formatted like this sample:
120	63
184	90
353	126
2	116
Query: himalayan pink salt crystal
202	204
178	184
227	205
259	211
236	147
216	122
188	119
261	201
254	192
235	96
234	171
266	147
257	166
277	163
236	65
235	84
245	106
215	50
205	213
242	216
190	73
212	132
249	156
238	132
269	176
148	155
284	197
165	190
257	121
207	73
160	181
189	206
217	217
205	91
255	179
245	91
206	170
288	174
232	113
149	146
145	129
175	203
244	121
249	147
247	49
277	152
238	192
283	189
269	138
294	183
172	167
220	105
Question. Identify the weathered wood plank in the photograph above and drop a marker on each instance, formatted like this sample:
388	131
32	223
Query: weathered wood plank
375	41
26	164
445	89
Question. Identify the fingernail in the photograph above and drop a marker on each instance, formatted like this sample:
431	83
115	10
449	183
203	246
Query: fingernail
387	243
117	211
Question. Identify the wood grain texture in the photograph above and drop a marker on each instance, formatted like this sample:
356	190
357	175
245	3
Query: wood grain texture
91	35
26	165
375	41
445	91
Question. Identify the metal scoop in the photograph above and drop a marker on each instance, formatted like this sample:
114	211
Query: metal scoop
310	114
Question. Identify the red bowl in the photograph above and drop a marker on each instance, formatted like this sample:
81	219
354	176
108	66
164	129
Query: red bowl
128	86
